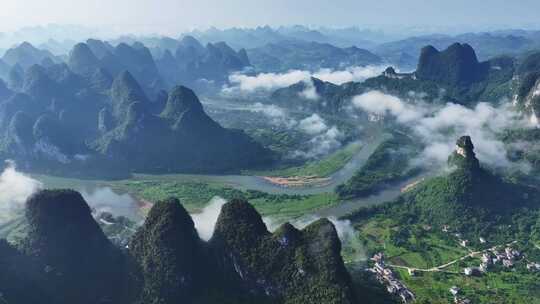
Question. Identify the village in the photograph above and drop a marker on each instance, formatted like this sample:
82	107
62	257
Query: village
387	277
504	255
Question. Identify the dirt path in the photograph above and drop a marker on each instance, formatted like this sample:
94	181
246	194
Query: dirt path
440	268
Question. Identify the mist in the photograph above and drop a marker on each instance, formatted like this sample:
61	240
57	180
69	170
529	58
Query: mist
276	115
205	221
106	200
324	138
242	83
15	188
438	127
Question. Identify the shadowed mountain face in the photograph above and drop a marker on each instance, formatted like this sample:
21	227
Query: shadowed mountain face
457	65
470	198
157	143
170	255
88	58
87	122
20	275
289	265
76	255
66	258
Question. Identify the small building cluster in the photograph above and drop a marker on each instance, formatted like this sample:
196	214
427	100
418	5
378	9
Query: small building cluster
491	257
458	299
533	267
387	277
508	257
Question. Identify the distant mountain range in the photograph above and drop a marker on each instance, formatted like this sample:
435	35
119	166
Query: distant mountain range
94	116
161	63
257	37
452	75
312	56
26	55
192	63
213	54
406	52
162	66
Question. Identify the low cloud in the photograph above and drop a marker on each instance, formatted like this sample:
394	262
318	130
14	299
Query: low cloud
205	221
266	81
310	92
439	126
15	188
272	81
106	200
378	103
356	74
324	143
324	138
313	124
278	116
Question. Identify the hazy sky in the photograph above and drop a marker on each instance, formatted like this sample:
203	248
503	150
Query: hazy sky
169	16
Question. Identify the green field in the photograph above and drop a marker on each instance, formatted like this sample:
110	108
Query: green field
389	163
421	247
194	195
320	168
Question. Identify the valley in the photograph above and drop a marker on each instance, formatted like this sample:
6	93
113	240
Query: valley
279	164
158	187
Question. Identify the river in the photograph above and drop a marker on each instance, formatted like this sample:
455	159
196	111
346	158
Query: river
245	182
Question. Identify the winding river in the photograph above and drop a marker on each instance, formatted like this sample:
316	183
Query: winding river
245	182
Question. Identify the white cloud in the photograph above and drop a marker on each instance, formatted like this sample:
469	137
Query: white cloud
326	142
106	200
382	104
205	222
277	115
15	188
310	92
355	74
325	139
439	127
267	81
272	81
313	124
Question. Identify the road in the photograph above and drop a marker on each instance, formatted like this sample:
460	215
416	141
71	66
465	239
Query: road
441	267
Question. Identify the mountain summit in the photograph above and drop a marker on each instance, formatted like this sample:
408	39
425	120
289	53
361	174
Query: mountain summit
464	156
167	263
457	65
76	255
467	198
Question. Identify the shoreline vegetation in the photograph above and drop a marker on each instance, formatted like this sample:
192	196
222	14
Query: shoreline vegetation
320	168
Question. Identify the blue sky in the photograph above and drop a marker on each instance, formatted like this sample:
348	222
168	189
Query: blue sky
176	15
